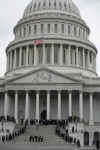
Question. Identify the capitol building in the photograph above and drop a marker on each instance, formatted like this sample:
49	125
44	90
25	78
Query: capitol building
51	66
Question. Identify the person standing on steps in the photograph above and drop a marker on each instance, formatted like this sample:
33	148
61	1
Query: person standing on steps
37	124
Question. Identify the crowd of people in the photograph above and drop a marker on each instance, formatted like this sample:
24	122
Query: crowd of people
63	132
8	119
11	136
66	136
36	139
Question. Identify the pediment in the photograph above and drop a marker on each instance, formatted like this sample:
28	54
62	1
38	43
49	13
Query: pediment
43	76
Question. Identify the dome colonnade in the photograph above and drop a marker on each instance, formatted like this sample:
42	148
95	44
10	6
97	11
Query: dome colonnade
65	39
51	54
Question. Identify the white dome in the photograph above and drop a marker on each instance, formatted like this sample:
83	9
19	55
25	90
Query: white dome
66	6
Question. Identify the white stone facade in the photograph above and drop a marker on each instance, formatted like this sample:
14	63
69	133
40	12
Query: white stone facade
51	66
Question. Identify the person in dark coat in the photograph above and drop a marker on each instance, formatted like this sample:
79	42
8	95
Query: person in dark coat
78	143
97	145
3	139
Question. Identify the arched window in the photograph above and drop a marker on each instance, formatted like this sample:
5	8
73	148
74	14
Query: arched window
96	138
86	138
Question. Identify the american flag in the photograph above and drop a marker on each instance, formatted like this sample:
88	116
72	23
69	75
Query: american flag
37	42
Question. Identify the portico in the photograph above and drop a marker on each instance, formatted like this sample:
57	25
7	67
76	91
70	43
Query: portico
44	102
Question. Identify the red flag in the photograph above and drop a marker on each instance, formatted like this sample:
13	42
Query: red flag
37	42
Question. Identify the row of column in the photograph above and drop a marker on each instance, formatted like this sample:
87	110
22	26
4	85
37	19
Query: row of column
13	58
64	29
59	117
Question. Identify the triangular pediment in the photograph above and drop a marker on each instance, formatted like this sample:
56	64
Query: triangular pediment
43	76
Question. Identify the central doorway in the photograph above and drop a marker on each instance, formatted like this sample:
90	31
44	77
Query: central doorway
43	115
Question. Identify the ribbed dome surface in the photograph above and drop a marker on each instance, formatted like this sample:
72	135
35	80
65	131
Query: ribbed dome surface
66	6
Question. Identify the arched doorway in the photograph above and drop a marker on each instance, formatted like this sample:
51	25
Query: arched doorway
43	115
96	139
86	138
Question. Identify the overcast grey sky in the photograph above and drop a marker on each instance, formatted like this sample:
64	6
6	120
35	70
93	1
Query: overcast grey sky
12	10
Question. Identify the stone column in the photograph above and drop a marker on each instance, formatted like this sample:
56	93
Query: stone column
7	63
20	56
48	105
52	54
37	106
59	105
88	59
27	106
91	109
61	55
10	60
27	50
83	58
69	55
44	55
35	55
70	103
16	107
81	104
15	58
95	62
6	105
77	58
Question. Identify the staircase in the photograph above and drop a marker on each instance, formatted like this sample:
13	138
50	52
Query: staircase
48	132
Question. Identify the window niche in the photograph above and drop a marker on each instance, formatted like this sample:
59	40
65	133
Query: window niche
56	53
35	29
42	28
62	28
55	28
48	28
